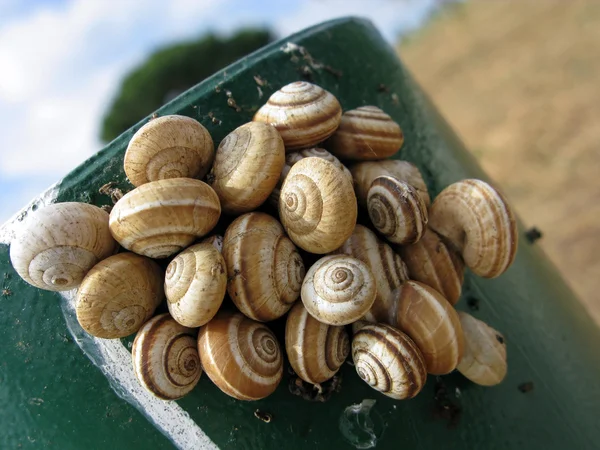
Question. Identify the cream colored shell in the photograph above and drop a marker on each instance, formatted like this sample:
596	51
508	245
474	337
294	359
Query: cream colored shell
169	147
317	205
388	361
476	220
303	113
60	244
264	267
484	358
338	289
165	358
195	285
247	167
119	295
241	356
366	133
216	240
315	350
161	218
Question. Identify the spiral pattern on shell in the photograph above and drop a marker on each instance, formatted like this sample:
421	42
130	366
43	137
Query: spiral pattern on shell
338	289
241	356
303	113
169	147
366	133
475	219
119	295
316	351
396	210
165	358
388	361
60	244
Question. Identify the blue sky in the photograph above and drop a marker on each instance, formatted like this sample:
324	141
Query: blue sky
61	62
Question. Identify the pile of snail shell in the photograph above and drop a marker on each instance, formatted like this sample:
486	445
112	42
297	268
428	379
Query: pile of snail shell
356	256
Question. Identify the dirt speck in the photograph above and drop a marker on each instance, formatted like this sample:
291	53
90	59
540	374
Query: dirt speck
382	88
315	392
264	416
500	339
260	81
444	408
473	303
6	292
533	234
526	387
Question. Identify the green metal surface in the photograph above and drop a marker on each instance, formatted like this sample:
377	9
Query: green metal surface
53	396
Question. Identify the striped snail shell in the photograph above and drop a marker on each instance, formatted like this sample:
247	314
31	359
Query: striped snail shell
317	205
388	361
316	351
396	210
431	262
247	167
338	289
475	219
161	218
366	133
364	173
264	267
60	244
303	113
216	240
387	268
165	358
119	295
484	358
195	285
241	356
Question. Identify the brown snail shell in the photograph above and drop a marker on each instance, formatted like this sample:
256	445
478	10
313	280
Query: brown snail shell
317	205
264	267
161	218
169	147
338	289
241	356
119	295
60	244
388	361
303	113
247	167
366	133
365	172
165	358
396	210
195	285
316	351
475	219
431	262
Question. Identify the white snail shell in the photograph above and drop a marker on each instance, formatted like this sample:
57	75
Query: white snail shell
216	240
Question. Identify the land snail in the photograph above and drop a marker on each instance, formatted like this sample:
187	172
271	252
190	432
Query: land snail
241	356
165	358
169	147
118	295
60	244
216	240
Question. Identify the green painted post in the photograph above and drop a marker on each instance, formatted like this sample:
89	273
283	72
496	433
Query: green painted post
62	389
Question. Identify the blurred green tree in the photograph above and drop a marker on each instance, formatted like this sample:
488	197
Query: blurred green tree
170	71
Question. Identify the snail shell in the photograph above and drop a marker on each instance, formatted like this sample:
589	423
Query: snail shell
247	167
195	285
60	244
241	356
389	361
364	173
387	268
169	147
119	295
165	358
396	210
476	220
303	113
317	205
161	218
316	351
431	321
216	240
484	358
431	262
338	289
264	267
366	133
